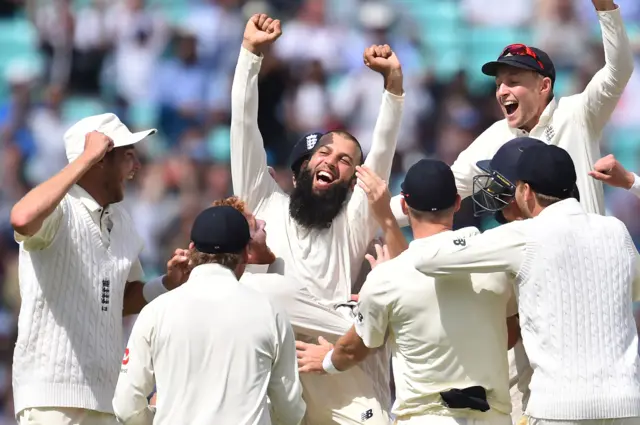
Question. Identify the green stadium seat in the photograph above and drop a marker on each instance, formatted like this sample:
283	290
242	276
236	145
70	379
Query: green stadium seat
218	143
76	107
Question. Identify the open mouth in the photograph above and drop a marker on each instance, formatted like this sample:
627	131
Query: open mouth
324	179
510	107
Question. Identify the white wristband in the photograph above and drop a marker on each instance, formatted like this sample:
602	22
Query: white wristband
327	364
153	289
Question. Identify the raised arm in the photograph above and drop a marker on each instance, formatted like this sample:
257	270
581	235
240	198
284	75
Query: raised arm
601	96
249	173
30	213
497	250
385	137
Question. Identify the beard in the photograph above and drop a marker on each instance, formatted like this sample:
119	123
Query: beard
316	210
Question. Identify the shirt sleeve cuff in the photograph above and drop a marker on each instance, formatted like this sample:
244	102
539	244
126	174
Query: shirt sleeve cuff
605	14
394	97
635	187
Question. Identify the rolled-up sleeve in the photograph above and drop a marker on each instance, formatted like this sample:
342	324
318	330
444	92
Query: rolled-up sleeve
136	380
603	92
285	389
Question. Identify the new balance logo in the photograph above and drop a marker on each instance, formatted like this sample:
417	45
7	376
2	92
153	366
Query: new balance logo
367	415
312	139
460	242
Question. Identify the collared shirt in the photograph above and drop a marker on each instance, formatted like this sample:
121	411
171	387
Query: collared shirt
215	349
435	347
574	123
577	275
101	217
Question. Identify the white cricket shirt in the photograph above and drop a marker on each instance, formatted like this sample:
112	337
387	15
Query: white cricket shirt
574	123
445	332
215	350
577	275
325	261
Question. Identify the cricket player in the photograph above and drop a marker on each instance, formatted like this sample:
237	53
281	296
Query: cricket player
348	399
212	374
79	273
447	366
524	78
319	234
577	275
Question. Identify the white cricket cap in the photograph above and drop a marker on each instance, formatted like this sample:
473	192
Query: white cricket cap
107	124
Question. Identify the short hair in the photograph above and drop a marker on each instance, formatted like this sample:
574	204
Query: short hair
545	200
230	261
232	201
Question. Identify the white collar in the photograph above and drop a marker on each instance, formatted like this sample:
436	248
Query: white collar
87	200
546	116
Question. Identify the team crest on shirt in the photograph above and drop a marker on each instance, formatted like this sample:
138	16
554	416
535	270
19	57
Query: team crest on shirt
549	133
312	139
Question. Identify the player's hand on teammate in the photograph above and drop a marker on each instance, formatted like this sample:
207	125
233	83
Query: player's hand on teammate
261	30
609	170
310	356
96	146
178	269
382	255
377	192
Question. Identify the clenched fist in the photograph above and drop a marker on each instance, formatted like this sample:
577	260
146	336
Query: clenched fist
381	59
96	145
261	30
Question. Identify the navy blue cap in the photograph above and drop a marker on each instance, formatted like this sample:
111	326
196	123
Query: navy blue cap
220	230
549	170
543	66
504	162
303	149
429	186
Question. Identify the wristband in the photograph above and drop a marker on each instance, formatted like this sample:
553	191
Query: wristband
635	187
327	364
153	289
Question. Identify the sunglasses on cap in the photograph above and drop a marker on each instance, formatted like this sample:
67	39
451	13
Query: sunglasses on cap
521	50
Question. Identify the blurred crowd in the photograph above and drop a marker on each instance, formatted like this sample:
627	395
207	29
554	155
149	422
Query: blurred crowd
168	64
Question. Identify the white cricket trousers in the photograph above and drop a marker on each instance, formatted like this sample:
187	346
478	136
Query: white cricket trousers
64	416
615	421
488	418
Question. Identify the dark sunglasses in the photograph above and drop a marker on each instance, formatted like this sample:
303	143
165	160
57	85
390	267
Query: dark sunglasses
521	50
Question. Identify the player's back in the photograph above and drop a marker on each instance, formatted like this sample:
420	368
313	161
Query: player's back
445	333
576	288
213	354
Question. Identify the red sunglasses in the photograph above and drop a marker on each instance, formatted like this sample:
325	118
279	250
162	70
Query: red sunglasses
521	50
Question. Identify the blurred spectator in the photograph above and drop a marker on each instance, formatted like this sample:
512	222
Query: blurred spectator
140	36
498	13
180	87
560	33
